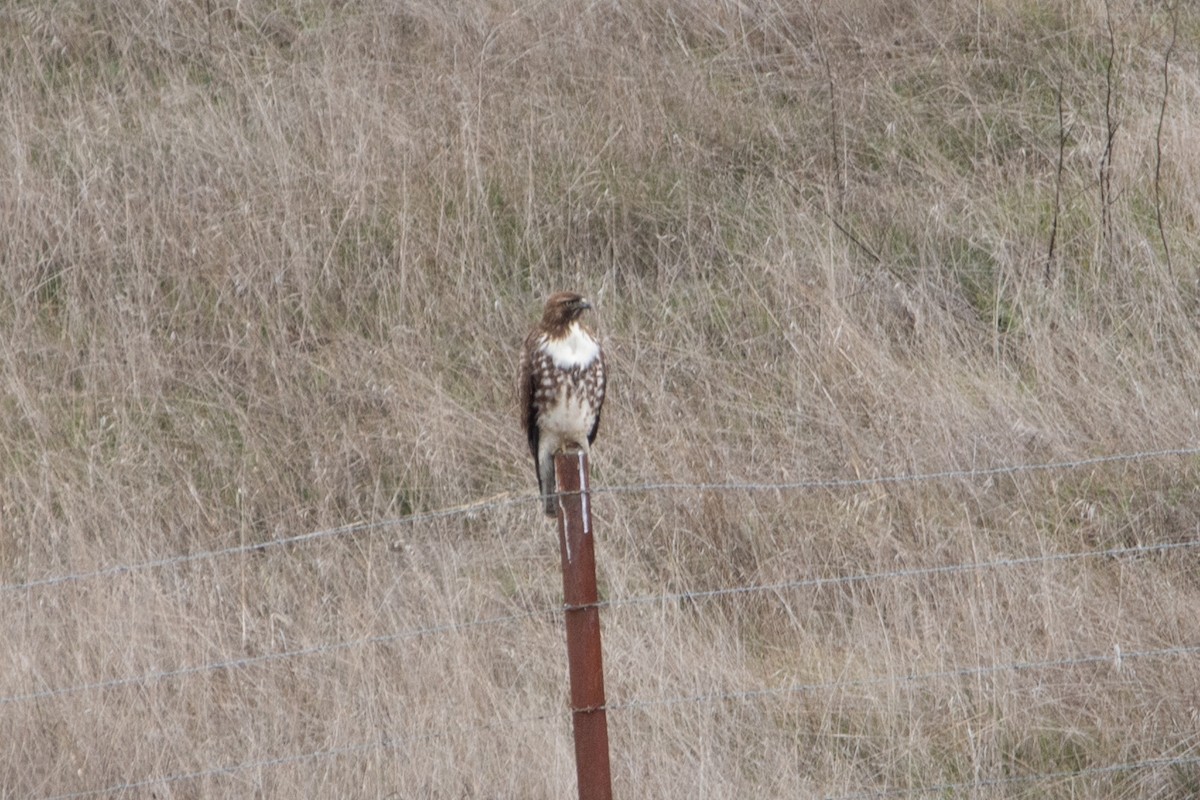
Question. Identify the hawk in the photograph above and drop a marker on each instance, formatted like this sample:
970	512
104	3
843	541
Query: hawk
561	385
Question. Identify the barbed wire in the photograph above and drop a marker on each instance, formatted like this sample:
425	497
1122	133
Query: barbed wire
914	572
741	695
553	611
204	555
1008	780
213	772
386	743
251	661
395	743
508	502
1116	659
920	477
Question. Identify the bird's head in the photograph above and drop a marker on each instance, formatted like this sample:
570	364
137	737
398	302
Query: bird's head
563	308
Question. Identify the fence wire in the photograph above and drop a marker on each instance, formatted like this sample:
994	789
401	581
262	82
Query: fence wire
1117	661
954	789
829	484
914	572
148	678
384	743
886	480
394	743
351	529
548	612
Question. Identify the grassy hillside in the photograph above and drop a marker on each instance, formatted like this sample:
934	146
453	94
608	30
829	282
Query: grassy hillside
264	270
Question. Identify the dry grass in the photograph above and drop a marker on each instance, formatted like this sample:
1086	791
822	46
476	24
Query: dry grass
264	267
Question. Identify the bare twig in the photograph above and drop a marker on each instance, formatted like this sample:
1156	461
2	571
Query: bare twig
1110	125
1058	175
869	251
1162	112
842	227
834	129
835	143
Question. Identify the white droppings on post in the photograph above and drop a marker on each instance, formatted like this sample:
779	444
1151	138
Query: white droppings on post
583	495
562	513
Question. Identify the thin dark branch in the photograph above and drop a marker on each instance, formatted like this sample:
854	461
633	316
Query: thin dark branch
870	252
1110	126
835	122
849	234
1162	112
1058	176
834	129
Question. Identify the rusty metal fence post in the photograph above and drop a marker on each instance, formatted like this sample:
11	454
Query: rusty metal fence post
583	626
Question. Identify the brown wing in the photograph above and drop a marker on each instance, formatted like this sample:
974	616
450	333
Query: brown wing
597	383
525	388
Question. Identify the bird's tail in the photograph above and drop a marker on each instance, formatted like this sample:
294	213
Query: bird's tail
546	485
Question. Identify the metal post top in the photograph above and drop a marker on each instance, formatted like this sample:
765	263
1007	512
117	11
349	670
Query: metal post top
582	622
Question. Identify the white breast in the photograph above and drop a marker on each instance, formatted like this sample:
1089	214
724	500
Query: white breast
569	418
576	349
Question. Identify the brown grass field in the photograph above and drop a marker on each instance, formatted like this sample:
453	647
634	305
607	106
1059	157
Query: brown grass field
265	267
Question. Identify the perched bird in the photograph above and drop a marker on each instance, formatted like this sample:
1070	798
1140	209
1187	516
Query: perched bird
561	386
